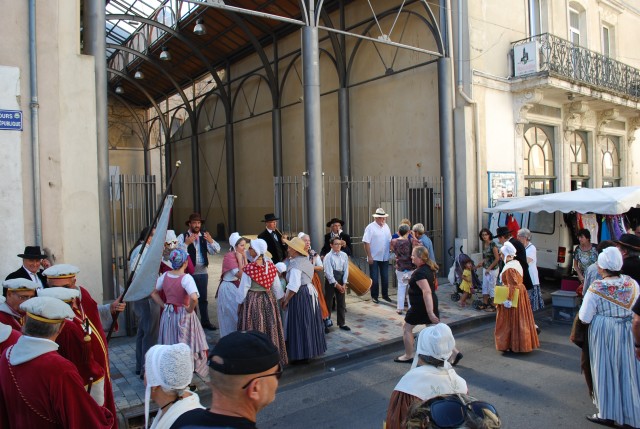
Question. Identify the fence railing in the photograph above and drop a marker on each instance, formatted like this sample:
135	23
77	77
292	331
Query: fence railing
563	58
418	199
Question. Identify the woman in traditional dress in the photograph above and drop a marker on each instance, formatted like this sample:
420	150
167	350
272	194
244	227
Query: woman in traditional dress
606	307
424	302
167	377
179	322
430	375
228	295
515	327
489	265
401	246
305	331
260	286
318	267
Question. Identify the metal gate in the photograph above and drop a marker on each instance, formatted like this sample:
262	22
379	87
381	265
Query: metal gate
418	199
133	206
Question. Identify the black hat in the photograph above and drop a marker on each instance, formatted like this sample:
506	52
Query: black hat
335	220
630	241
269	217
503	231
194	217
32	252
244	352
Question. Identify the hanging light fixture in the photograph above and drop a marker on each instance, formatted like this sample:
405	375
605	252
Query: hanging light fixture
119	89
165	55
199	29
138	74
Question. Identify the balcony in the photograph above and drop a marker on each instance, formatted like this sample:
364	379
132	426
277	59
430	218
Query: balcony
550	55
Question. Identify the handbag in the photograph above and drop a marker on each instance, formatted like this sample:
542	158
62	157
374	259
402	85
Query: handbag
579	332
502	295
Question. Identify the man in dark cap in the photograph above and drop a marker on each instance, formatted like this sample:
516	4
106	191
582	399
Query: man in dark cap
33	262
273	237
336	231
629	246
504	234
245	369
200	244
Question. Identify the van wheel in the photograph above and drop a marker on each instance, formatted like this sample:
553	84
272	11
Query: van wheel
455	297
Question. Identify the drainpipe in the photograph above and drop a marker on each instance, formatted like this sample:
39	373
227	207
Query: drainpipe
35	143
476	115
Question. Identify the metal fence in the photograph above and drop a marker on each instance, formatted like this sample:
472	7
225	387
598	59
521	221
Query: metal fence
562	57
418	199
133	206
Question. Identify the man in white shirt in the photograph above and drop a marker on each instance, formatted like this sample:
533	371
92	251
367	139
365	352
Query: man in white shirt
33	261
376	239
336	274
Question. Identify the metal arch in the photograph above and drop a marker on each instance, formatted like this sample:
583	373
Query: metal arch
183	39
173	117
150	125
144	132
144	91
271	78
287	70
338	50
368	27
200	105
441	48
159	67
241	83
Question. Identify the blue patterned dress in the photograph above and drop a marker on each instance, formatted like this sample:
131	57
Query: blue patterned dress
616	372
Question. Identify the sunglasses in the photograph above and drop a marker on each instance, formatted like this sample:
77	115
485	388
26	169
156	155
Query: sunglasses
453	412
277	374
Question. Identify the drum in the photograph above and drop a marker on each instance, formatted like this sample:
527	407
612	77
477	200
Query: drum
359	282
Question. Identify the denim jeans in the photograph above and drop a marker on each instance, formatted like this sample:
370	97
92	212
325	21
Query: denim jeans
383	268
202	281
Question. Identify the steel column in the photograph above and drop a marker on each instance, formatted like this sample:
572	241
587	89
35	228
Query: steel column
344	143
95	44
195	167
276	135
312	131
447	157
231	178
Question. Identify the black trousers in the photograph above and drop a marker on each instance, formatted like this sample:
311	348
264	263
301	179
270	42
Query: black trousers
329	292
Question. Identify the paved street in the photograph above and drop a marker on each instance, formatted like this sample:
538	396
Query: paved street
543	389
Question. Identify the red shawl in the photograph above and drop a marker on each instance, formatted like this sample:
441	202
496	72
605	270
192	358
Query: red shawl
262	274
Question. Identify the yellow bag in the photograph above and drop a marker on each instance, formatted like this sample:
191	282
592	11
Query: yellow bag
502	294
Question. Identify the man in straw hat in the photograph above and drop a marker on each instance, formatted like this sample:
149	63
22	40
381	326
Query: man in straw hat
91	316
245	370
335	231
38	387
16	292
377	239
75	345
199	245
33	259
275	243
629	246
8	335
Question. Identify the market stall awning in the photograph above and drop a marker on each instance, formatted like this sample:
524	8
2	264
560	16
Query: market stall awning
602	201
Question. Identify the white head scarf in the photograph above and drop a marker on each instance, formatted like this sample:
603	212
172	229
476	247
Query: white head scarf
282	267
610	259
170	367
508	249
436	341
259	246
233	240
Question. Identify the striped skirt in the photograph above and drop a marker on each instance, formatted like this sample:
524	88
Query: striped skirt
305	330
615	370
260	312
179	326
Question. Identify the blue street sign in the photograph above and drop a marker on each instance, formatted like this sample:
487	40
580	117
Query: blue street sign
11	120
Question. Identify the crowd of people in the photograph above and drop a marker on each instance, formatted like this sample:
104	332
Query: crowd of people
273	311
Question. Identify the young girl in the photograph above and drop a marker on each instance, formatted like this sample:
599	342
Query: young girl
466	286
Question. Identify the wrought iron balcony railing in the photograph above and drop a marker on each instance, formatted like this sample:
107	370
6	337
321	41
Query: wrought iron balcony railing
560	57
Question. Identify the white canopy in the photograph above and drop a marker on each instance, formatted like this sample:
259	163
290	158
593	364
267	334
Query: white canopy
602	201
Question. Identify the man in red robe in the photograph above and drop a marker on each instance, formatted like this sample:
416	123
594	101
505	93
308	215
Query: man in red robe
8	335
16	291
38	387
87	310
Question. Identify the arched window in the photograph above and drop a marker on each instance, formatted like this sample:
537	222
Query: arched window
538	161
610	162
579	159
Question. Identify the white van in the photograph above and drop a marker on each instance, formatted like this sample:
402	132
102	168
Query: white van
550	234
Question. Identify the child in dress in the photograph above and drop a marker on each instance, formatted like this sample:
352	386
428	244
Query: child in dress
466	286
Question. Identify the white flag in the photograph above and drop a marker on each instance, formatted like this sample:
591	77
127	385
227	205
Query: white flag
146	274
